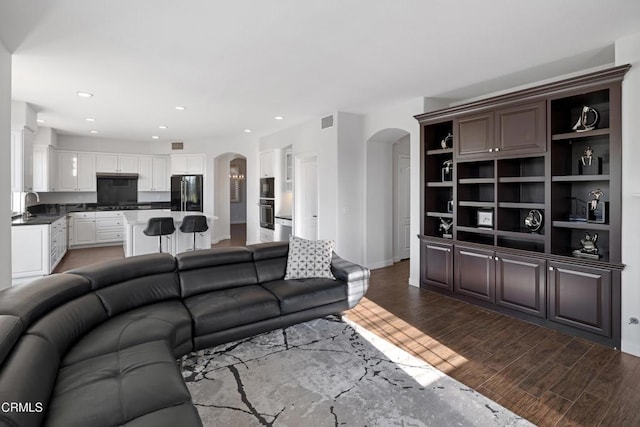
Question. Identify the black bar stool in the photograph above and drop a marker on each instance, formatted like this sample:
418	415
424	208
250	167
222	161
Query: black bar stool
194	224
161	226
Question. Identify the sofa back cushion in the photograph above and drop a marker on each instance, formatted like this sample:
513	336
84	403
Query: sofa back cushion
65	325
22	305
215	269
270	260
131	282
27	377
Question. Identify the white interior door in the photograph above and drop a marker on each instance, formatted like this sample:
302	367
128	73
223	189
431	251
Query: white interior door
308	197
404	201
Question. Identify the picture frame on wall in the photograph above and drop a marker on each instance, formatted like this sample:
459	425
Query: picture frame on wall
485	218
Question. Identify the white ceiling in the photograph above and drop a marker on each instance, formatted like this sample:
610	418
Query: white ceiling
235	64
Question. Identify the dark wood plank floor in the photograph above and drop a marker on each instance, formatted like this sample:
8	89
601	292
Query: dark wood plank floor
547	377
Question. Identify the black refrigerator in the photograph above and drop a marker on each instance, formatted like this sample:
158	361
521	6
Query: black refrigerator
186	193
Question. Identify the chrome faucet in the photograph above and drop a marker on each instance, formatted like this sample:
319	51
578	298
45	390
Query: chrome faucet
26	214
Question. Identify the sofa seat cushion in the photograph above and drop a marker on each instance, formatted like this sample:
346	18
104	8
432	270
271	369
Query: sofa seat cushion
302	294
168	320
218	310
115	388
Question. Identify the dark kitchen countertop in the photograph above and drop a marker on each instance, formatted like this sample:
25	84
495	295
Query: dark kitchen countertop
44	214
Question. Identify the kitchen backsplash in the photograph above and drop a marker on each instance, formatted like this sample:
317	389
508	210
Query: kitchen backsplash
91	197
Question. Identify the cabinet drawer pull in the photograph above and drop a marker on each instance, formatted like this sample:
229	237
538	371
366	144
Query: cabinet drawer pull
497	149
491	150
497	259
550	268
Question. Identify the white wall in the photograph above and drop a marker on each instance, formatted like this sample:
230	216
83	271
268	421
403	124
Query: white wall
222	226
379	190
309	139
351	197
5	166
400	116
628	52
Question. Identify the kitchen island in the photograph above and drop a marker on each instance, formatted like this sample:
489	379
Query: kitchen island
137	243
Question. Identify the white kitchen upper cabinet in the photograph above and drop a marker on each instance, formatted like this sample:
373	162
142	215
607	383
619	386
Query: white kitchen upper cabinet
22	160
161	181
187	164
106	163
152	174
45	166
267	164
76	171
127	164
86	172
116	163
145	173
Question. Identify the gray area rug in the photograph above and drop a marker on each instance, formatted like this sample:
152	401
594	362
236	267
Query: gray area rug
329	372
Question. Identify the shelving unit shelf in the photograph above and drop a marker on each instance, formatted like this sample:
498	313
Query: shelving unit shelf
517	163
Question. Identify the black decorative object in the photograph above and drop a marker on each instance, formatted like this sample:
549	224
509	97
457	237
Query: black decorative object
588	164
534	220
447	170
588	119
445	227
589	248
450	206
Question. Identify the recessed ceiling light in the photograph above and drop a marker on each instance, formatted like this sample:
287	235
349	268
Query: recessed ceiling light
93	131
90	119
163	127
179	107
155	137
41	121
279	118
84	94
247	130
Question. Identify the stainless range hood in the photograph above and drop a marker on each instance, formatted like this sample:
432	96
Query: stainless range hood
116	175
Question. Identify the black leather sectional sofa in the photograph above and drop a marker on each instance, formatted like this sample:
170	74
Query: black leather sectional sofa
97	346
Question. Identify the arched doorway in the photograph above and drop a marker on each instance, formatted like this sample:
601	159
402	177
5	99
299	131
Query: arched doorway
387	232
230	200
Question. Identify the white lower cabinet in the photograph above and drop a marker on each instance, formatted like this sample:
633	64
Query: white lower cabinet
36	250
109	227
266	235
84	228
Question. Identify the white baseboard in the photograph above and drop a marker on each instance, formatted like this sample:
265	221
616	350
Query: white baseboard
381	264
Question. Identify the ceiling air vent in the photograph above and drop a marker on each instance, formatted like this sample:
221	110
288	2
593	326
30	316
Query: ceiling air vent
177	145
326	122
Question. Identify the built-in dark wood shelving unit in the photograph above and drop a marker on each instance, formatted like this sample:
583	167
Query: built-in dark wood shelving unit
515	157
579	178
578	135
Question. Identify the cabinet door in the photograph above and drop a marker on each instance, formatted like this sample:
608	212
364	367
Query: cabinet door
21	160
107	163
195	164
145	174
40	168
267	167
160	177
67	171
84	231
178	164
30	250
521	129
128	164
86	172
521	283
475	136
580	297
474	273
436	264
